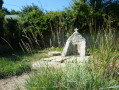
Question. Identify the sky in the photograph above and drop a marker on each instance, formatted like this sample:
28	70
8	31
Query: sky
49	5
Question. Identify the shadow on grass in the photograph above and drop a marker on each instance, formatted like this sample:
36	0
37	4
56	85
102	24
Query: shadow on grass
14	64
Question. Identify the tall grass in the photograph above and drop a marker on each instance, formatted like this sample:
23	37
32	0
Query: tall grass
100	72
29	43
18	62
73	77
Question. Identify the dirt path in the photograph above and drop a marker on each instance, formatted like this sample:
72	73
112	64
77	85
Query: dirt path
13	82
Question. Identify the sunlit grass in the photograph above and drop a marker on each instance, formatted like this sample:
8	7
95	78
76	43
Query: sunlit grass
16	64
73	76
54	49
10	68
101	72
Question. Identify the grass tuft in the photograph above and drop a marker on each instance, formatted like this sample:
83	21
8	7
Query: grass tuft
10	68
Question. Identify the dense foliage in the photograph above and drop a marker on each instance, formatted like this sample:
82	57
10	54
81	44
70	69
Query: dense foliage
1	3
35	26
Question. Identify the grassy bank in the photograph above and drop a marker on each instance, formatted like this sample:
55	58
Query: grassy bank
10	68
16	64
13	64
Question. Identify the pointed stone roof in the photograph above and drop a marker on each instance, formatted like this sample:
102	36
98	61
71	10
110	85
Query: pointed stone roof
76	37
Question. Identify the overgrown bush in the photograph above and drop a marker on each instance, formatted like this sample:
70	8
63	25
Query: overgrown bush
12	33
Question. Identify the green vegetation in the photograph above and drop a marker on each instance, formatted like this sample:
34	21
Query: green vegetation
16	64
72	77
54	49
10	68
13	65
36	30
100	72
52	28
1	2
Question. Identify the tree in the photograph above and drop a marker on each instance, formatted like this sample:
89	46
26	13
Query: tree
11	31
29	8
1	3
31	19
81	12
111	9
6	10
1	18
1	22
14	12
32	22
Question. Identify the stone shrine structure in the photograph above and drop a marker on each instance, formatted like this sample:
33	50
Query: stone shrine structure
74	51
75	45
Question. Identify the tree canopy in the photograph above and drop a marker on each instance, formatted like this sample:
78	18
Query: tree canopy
1	3
56	26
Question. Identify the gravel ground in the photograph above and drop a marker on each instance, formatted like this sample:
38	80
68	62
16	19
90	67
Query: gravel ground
13	82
